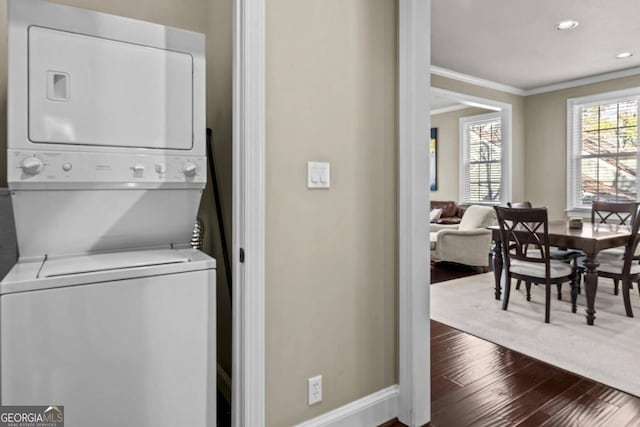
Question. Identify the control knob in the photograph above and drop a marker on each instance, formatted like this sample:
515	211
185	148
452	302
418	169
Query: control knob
190	169
138	169
31	165
161	168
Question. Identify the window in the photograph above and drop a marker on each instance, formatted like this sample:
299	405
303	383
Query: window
602	149
482	153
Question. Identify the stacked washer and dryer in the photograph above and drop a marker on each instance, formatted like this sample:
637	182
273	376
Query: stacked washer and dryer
108	311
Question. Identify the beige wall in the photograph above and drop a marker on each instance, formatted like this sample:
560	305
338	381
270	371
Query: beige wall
212	17
518	126
448	151
546	148
539	140
331	268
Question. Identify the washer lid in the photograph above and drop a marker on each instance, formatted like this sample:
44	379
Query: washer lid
107	262
46	273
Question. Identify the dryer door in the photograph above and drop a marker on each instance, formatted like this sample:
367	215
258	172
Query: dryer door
91	91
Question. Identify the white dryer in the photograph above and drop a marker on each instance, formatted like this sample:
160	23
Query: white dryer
108	312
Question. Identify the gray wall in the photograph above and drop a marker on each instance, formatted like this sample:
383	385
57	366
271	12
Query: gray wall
8	246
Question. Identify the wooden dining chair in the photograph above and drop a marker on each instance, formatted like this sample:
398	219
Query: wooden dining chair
625	270
520	228
559	254
623	213
520	205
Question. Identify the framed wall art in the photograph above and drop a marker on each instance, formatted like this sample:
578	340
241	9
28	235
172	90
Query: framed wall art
433	160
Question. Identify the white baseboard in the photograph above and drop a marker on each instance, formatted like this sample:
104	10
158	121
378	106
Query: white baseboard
224	383
369	411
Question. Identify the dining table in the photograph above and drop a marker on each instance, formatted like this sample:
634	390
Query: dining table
590	239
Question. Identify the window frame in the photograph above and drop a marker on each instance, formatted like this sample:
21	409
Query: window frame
505	184
574	206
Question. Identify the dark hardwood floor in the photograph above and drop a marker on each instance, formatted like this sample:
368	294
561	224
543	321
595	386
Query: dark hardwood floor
443	271
478	383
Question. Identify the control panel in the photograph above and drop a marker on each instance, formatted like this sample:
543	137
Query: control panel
104	168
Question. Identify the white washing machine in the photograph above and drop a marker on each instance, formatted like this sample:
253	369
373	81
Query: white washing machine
108	312
118	339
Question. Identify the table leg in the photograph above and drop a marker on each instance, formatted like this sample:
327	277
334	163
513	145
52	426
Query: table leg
497	266
591	286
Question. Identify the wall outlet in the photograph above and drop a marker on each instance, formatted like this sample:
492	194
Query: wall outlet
315	390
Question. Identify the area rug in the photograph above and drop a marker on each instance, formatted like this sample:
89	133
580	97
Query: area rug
607	352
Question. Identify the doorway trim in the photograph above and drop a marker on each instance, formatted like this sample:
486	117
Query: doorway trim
248	372
248	311
414	44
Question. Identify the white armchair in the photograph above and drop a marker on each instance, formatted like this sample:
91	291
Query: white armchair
466	243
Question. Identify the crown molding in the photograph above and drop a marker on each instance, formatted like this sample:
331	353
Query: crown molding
439	71
584	81
477	81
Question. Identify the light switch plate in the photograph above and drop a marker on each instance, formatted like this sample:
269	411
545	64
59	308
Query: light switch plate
318	175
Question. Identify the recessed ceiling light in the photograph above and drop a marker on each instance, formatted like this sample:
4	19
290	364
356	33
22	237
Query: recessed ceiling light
566	25
623	55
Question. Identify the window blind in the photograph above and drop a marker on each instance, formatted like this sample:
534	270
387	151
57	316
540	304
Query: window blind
482	157
604	151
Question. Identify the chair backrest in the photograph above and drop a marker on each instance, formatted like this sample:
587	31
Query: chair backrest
624	213
614	212
632	246
520	227
476	216
520	205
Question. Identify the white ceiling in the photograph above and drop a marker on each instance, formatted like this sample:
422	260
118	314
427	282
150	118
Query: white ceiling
514	42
